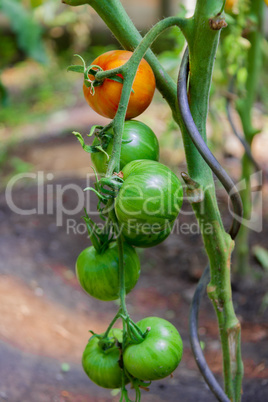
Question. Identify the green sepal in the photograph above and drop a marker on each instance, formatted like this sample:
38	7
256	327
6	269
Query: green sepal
76	69
119	79
90	148
87	148
116	78
99	239
99	148
101	197
92	233
93	128
126	141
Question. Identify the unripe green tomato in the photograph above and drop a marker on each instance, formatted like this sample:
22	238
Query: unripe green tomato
148	202
102	366
143	145
98	274
158	355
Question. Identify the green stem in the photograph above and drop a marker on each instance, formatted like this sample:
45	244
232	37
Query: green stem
244	108
112	324
129	70
203	42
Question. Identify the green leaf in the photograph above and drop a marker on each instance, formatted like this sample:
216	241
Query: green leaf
28	32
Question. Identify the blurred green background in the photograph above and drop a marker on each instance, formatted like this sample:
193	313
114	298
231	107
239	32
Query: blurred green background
45	316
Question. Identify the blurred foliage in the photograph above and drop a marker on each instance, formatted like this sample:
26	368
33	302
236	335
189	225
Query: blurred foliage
37	42
28	32
231	62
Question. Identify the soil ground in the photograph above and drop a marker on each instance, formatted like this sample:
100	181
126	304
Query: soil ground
46	316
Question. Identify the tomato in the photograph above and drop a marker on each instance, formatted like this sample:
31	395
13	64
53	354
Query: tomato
102	365
229	5
143	145
106	98
158	355
98	274
148	202
266	2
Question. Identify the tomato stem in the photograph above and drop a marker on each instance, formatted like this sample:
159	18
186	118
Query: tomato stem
112	324
128	70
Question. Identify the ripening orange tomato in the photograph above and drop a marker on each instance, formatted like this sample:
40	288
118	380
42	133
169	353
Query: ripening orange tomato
266	2
106	98
229	5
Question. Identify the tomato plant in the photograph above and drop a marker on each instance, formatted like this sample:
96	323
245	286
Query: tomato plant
106	97
148	202
158	355
139	142
98	273
101	361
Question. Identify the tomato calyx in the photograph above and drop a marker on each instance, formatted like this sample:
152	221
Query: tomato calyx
106	189
104	137
103	134
90	72
99	238
135	335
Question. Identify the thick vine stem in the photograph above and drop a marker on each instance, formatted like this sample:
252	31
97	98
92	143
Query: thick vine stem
202	147
219	289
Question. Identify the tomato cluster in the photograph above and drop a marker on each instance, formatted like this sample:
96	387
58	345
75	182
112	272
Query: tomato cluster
154	358
144	204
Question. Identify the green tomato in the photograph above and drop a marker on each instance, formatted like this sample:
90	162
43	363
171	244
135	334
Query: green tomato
98	274
158	355
143	145
148	202
102	364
